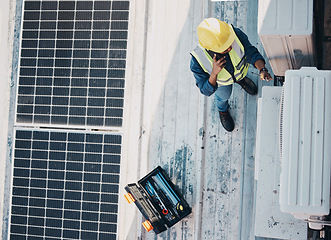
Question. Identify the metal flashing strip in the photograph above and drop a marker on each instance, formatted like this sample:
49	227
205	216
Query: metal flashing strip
72	63
65	185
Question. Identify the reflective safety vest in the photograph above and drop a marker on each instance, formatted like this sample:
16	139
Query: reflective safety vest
237	56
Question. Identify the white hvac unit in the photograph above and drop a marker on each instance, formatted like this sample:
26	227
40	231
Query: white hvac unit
305	144
285	28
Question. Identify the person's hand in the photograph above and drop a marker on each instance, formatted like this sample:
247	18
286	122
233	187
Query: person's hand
218	65
264	75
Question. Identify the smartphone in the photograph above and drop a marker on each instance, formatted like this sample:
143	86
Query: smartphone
219	56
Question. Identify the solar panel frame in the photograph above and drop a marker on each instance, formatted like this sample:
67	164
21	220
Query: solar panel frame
91	53
64	197
61	47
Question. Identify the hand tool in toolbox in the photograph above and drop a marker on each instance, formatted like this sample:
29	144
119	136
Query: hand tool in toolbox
158	200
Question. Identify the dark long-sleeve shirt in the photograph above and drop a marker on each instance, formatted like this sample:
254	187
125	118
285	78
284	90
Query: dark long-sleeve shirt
201	77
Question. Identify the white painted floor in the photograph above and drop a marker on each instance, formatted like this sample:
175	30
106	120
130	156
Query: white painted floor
172	125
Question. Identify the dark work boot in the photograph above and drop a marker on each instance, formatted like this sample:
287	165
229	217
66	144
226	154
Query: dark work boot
227	121
248	85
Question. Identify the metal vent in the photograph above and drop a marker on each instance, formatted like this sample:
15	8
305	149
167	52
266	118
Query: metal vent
287	33
306	143
281	113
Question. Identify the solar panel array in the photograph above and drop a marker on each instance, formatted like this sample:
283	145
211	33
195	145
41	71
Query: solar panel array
65	185
72	65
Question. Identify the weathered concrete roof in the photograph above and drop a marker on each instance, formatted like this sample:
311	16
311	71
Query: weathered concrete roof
179	129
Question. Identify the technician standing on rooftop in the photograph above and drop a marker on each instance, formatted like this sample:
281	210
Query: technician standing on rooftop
221	59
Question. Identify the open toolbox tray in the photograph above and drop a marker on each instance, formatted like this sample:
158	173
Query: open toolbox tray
158	200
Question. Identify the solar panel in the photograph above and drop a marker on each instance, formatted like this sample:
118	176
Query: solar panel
65	185
72	63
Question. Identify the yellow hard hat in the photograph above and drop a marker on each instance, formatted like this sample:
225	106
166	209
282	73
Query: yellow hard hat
215	35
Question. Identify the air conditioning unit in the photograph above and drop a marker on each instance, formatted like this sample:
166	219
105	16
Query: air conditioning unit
305	145
285	28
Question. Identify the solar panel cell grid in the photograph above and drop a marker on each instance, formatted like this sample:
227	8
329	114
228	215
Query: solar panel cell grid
65	185
72	72
77	41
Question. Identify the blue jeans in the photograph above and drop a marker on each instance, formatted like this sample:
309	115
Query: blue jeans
222	95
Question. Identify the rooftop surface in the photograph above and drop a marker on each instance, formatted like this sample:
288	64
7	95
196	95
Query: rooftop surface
168	123
180	128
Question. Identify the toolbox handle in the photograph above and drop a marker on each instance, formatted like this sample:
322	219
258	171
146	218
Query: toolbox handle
147	225
129	198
